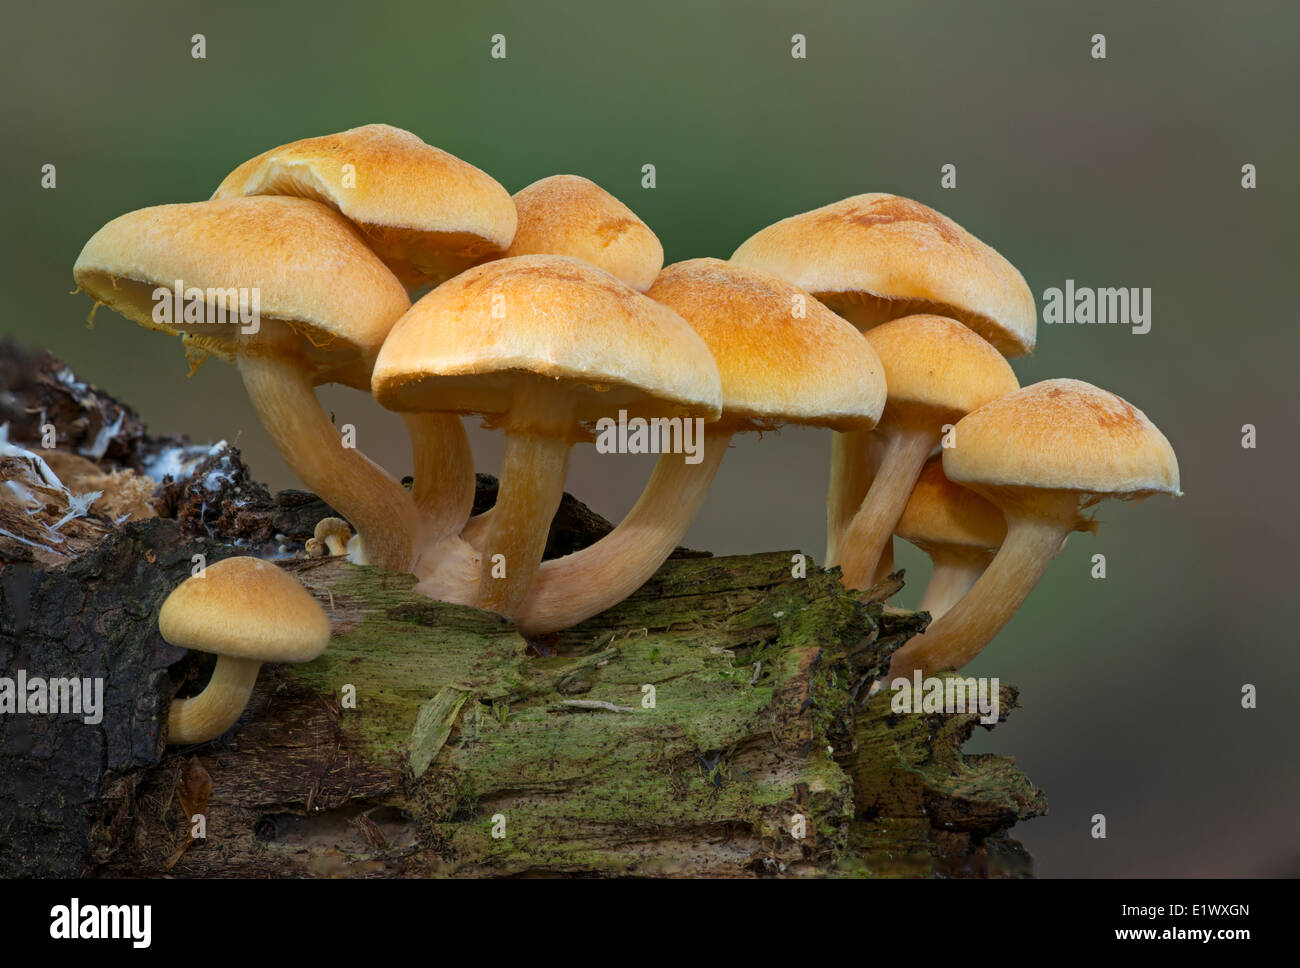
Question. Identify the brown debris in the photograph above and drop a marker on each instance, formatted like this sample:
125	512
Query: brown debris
37	389
193	787
102	446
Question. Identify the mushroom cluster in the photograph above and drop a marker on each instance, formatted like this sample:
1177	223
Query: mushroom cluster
940	306
551	311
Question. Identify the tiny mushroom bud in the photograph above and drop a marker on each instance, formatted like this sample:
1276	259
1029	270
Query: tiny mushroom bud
776	368
1042	454
937	371
315	548
428	215
874	258
324	304
956	528
245	611
540	345
335	534
573	216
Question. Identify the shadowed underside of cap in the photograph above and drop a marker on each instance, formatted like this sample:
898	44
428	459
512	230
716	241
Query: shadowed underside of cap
876	257
246	608
427	213
940	512
776	366
310	273
937	362
1063	435
573	216
465	346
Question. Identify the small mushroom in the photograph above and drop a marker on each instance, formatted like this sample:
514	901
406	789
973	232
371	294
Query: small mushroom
1043	455
937	371
325	303
315	548
245	611
874	258
540	345
573	216
956	528
335	534
428	215
783	358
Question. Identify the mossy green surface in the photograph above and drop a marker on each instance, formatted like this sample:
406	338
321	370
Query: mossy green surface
714	724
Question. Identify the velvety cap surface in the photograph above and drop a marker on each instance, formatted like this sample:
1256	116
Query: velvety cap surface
573	216
246	608
309	268
426	212
776	365
937	362
464	346
894	248
1063	435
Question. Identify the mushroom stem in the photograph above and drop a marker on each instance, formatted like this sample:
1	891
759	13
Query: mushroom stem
476	529
886	566
1036	528
379	507
444	470
218	707
906	445
539	427
448	571
854	458
585	583
956	569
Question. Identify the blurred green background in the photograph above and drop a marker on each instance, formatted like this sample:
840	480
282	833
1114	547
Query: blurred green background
1119	172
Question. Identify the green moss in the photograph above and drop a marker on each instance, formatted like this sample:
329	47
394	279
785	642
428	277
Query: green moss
406	649
734	690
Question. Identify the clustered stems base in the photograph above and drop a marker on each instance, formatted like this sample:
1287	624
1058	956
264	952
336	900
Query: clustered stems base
448	571
600	576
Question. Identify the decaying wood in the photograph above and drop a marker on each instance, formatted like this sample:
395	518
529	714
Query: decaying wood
696	729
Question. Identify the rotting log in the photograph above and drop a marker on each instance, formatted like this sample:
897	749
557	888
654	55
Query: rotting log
692	730
460	730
